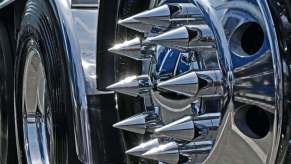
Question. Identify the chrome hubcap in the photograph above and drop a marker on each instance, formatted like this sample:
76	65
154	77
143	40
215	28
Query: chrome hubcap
35	110
215	78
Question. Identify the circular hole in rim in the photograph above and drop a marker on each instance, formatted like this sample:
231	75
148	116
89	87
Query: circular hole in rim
247	39
253	121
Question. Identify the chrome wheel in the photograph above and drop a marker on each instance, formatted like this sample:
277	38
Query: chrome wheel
36	122
214	84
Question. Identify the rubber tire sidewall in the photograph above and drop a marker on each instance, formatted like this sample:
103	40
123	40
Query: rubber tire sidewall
40	26
6	95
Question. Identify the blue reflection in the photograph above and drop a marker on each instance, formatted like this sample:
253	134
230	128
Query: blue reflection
183	66
171	62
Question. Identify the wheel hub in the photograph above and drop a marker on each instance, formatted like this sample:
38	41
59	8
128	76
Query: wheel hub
215	69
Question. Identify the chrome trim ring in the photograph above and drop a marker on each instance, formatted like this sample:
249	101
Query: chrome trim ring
37	121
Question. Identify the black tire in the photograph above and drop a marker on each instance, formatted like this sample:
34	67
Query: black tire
109	29
38	30
7	139
126	67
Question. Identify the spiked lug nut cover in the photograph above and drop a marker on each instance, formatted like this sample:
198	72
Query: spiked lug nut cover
168	153
136	124
170	15
134	86
174	153
136	25
189	128
159	16
176	39
183	129
194	37
144	147
200	83
131	49
140	123
187	84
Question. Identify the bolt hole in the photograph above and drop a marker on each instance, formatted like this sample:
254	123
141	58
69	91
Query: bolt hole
253	121
248	39
258	122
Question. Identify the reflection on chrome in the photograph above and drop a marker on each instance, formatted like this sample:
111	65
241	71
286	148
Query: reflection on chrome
36	117
220	56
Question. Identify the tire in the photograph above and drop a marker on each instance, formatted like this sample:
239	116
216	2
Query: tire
38	34
110	69
7	141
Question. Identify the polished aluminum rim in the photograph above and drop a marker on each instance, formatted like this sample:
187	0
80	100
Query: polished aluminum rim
35	110
227	106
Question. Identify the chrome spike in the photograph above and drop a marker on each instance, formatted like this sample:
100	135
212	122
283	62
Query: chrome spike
201	84
144	147
136	124
168	153
136	25
189	128
140	124
173	14
177	39
183	129
134	85
187	84
131	49
159	16
174	153
194	37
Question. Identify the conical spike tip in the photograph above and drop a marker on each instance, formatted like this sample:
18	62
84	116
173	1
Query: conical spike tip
171	14
127	45
159	16
131	49
168	153
183	129
194	37
142	148
176	39
136	25
134	85
136	124
186	84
